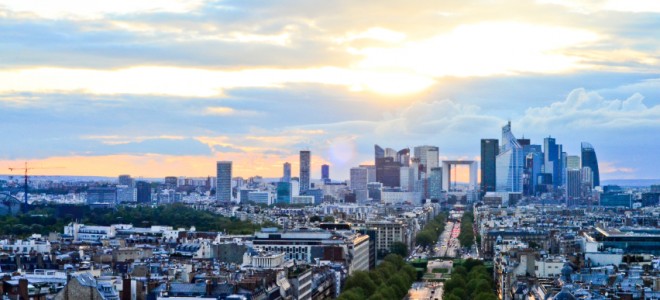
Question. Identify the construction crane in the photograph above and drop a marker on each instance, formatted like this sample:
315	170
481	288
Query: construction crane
25	184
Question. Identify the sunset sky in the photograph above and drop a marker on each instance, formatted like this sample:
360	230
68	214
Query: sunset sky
167	87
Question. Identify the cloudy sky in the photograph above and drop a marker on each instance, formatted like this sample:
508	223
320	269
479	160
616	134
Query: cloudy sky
167	87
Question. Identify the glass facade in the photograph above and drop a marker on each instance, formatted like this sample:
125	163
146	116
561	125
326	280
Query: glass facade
589	160
490	148
509	163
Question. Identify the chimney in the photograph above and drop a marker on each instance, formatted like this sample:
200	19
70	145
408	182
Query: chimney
23	289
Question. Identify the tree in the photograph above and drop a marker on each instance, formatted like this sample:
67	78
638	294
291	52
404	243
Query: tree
459	292
329	219
362	280
424	238
395	260
453	283
352	294
486	296
313	219
459	270
399	248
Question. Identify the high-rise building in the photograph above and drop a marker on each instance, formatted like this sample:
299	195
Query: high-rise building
509	163
171	182
489	150
524	142
573	186
375	190
305	169
403	157
404	179
143	192
429	157
126	180
359	179
435	184
389	152
325	173
533	167
223	179
286	172
105	195
589	160
371	172
125	194
387	172
573	162
284	192
379	152
553	160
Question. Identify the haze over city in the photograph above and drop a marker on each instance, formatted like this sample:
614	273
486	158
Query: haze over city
169	87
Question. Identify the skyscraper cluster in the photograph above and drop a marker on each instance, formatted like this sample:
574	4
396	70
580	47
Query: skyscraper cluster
513	165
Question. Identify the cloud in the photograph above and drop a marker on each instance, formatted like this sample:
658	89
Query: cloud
589	6
589	110
189	82
81	9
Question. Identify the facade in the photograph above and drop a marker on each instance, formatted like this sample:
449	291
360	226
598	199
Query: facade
284	192
260	197
403	157
143	190
374	191
310	244
126	180
306	200
325	173
85	286
573	162
387	172
489	150
429	157
589	160
435	184
106	195
286	172
305	168
359	181
630	240
317	194
387	233
125	194
573	186
509	163
553	160
359	178
223	186
614	196
371	172
171	182
533	167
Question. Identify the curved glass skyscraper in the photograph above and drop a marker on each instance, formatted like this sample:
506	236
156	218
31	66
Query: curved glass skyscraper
509	163
589	160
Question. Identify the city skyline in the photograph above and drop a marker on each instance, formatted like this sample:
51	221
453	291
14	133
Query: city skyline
156	88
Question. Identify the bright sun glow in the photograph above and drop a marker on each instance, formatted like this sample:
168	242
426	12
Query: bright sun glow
404	68
482	50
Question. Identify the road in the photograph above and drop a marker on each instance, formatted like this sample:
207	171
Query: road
422	291
448	245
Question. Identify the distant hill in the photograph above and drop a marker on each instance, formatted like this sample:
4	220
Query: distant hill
631	182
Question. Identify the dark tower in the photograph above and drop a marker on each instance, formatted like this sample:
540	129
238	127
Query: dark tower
490	148
589	160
